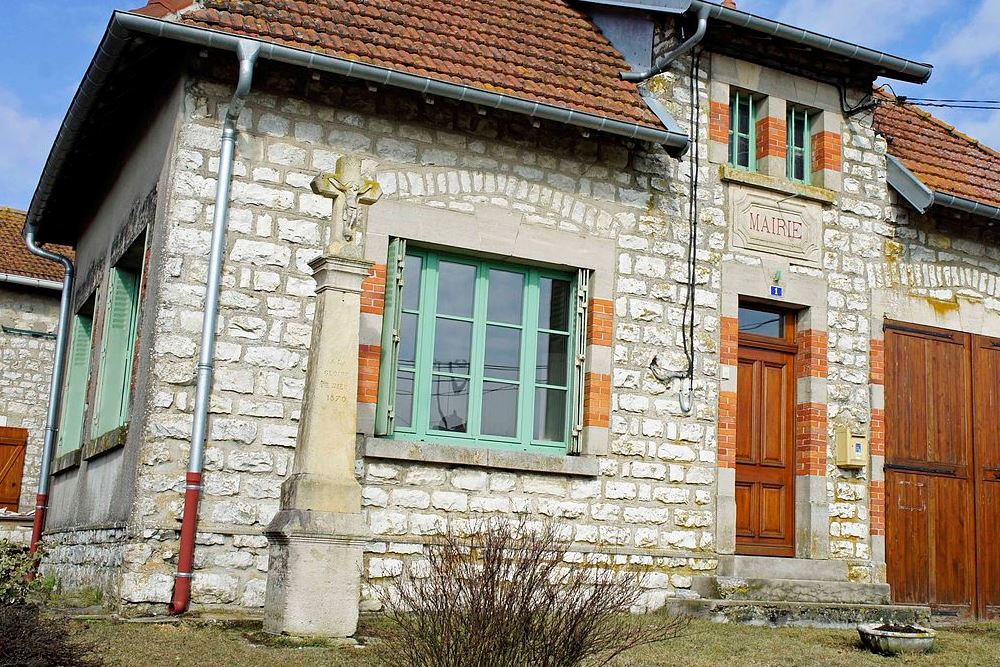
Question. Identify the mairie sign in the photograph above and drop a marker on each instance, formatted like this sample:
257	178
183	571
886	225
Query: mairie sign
768	223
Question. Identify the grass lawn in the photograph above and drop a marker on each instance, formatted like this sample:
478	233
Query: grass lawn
706	644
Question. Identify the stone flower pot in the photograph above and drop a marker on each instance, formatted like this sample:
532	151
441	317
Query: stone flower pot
889	639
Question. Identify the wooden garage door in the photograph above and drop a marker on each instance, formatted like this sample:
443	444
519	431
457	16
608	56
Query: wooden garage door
943	469
13	442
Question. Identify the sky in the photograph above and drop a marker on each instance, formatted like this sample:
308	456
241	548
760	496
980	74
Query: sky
46	45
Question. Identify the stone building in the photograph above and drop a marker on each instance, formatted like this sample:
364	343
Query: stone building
470	272
29	311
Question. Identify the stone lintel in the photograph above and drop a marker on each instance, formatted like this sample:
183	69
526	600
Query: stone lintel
341	274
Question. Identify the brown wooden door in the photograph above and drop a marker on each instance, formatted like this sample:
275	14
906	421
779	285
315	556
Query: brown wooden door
13	443
930	508
986	393
765	470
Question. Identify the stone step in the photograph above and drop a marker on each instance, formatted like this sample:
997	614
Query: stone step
790	590
767	567
810	614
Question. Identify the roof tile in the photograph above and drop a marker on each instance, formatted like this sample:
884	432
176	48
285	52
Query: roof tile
15	259
944	159
539	50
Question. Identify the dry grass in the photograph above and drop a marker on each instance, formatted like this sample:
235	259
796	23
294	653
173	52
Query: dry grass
705	645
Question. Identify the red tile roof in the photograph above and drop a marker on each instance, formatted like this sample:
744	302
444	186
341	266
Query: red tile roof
539	50
14	256
944	159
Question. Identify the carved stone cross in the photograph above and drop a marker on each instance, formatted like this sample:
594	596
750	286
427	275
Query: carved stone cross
350	189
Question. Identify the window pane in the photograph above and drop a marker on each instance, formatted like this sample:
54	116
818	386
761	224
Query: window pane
762	323
799	166
456	288
500	409
553	357
408	339
503	353
553	304
411	281
404	399
550	414
743	114
506	297
449	409
800	129
743	152
452	346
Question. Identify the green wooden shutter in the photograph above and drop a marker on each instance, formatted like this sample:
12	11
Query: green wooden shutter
580	358
117	348
75	392
384	412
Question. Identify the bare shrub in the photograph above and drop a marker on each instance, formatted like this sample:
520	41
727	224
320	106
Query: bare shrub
29	638
507	597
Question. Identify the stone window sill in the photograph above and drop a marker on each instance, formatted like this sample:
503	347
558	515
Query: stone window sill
480	457
105	443
67	461
782	185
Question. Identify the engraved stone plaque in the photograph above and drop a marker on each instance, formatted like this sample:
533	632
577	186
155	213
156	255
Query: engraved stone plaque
776	224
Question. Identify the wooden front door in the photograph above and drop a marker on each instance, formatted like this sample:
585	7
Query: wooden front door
930	467
765	449
13	443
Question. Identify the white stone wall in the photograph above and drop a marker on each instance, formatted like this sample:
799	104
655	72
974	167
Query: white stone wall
25	373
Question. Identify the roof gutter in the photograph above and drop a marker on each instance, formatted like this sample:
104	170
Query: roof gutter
669	58
25	281
922	198
892	66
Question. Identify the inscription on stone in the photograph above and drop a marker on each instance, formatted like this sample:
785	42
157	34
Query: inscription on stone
776	224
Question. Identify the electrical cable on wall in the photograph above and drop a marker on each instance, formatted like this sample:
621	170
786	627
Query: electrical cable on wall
688	316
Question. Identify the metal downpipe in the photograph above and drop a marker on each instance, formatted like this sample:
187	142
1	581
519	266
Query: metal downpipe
247	52
55	387
669	58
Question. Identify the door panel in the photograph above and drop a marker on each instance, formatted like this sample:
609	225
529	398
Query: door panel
930	509
765	448
986	393
13	442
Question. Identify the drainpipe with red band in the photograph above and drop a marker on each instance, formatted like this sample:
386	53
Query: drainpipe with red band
247	51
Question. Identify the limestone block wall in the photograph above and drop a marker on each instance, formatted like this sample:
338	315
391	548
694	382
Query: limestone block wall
25	372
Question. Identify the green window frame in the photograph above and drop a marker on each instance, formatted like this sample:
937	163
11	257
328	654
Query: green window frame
799	151
742	131
114	376
479	352
74	400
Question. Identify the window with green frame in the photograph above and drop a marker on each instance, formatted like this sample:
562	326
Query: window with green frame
118	337
74	397
481	352
799	165
742	131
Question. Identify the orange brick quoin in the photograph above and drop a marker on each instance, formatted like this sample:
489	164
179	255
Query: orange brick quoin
729	341
878	433
811	359
368	366
826	151
727	429
877	361
600	321
810	438
718	122
373	291
876	490
597	399
772	137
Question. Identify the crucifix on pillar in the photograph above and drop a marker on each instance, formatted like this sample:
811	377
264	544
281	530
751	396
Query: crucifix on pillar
350	190
317	537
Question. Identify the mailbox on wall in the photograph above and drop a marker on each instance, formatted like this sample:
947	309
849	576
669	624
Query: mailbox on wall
852	448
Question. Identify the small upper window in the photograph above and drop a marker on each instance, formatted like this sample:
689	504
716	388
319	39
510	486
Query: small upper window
742	131
799	167
760	322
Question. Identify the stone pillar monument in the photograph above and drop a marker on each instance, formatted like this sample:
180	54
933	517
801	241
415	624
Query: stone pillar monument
316	539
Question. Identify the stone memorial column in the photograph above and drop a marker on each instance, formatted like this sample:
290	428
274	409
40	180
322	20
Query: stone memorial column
316	539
